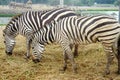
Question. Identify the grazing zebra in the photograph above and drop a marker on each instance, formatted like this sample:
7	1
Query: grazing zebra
82	30
28	23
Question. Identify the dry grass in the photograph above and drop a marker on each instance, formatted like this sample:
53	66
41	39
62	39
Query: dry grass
90	62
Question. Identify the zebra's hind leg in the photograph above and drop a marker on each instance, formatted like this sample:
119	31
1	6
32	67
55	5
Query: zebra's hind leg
118	54
110	58
71	58
118	58
76	50
68	55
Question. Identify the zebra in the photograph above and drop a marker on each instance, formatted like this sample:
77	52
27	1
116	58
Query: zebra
80	30
29	22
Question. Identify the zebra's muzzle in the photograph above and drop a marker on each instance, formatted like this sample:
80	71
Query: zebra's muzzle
36	60
8	53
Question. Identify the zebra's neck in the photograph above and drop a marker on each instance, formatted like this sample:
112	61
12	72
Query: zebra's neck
46	34
12	28
11	31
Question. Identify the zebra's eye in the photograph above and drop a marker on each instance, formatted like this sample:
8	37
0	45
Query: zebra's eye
3	34
4	41
32	47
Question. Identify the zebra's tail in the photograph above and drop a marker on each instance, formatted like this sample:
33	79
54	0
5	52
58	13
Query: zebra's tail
116	49
118	53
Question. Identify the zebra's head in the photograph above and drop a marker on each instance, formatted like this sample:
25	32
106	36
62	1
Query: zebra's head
9	42
9	34
37	51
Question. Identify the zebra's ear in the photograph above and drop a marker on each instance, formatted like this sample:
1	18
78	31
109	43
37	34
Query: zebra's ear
54	22
4	31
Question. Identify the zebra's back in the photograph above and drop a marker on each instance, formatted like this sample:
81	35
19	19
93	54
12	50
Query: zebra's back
90	29
71	30
32	21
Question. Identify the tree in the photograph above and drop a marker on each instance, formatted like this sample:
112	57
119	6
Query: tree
79	2
117	2
53	2
88	2
105	1
4	2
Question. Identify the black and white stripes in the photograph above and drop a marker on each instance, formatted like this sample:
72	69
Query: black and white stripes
82	30
29	22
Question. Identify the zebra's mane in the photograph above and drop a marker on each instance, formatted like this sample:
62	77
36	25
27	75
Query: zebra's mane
50	25
44	11
14	18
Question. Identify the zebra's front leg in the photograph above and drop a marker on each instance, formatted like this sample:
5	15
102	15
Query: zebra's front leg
75	53
27	56
110	58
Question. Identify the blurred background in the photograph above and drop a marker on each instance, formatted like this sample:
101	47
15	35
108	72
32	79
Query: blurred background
9	8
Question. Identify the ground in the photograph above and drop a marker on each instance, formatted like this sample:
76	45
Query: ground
91	63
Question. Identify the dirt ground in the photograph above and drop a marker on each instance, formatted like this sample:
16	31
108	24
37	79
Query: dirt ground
91	63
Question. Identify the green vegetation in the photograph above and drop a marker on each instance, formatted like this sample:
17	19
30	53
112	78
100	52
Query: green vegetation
104	9
2	25
7	15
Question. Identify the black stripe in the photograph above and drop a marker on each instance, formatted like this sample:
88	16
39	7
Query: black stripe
17	26
14	19
51	34
102	32
95	20
68	31
36	20
107	42
14	27
27	18
62	25
101	25
109	34
67	15
71	27
87	19
108	39
46	33
56	14
50	12
79	20
32	20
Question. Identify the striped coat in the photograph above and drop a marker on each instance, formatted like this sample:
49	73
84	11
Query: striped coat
82	30
28	23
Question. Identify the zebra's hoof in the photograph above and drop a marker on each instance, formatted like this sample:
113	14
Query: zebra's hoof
75	55
63	69
118	72
9	53
26	56
36	60
107	72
